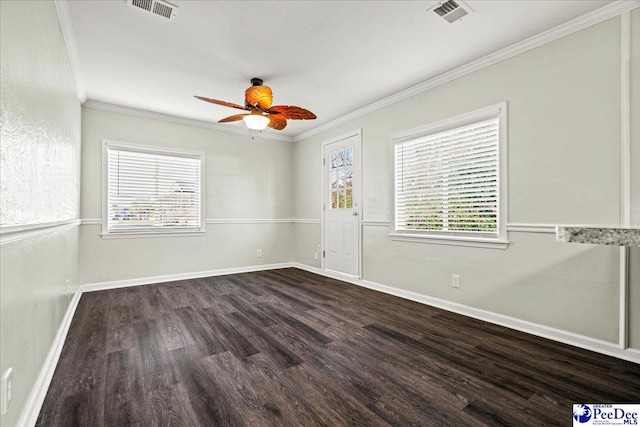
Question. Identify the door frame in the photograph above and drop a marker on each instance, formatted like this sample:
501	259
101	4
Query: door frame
356	200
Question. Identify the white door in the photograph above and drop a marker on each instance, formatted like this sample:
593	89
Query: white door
341	204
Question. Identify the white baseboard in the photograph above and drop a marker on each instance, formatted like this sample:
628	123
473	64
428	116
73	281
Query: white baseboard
31	409
181	276
576	340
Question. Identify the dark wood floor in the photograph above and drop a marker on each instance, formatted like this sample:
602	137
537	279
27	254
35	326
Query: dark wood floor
287	347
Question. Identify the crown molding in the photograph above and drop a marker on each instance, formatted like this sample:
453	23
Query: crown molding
116	108
72	52
609	11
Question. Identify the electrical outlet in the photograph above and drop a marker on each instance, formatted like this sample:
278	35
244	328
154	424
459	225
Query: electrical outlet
319	248
316	255
455	280
258	253
6	395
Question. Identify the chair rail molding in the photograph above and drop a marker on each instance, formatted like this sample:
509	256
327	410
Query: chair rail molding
17	233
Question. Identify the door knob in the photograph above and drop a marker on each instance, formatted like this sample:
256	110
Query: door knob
355	214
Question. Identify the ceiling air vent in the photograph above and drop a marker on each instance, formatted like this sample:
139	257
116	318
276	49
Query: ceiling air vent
159	8
451	10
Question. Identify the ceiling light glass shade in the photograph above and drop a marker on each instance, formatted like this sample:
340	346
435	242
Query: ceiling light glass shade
256	121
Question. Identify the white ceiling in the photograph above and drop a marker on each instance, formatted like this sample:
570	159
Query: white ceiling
331	57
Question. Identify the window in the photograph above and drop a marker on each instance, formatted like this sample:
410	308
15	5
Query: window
151	190
449	180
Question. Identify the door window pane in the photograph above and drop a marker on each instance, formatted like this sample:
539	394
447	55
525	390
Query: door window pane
349	157
333	180
334	159
341	178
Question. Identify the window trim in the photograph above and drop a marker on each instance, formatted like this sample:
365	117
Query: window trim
454	238
151	149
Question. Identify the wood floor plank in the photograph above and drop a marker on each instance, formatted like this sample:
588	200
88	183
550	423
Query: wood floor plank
266	342
233	380
124	388
205	338
206	398
253	312
237	343
175	333
290	348
289	399
119	334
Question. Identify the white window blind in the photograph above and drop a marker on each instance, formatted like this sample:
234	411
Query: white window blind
447	182
151	191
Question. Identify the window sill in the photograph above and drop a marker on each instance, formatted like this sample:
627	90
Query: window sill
454	241
136	235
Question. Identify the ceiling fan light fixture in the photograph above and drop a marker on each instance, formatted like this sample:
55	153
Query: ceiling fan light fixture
256	121
257	101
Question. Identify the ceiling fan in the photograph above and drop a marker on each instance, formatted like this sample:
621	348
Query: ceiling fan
257	100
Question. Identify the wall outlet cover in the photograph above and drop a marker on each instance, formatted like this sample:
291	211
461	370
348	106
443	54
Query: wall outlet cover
455	280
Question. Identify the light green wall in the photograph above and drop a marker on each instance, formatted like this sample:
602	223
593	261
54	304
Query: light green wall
40	163
536	279
306	240
563	168
38	276
223	246
635	113
246	178
634	291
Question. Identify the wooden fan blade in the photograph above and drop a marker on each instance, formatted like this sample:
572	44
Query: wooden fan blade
292	112
277	121
260	96
223	103
233	118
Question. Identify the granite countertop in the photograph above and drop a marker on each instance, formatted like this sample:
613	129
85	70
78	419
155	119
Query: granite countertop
599	235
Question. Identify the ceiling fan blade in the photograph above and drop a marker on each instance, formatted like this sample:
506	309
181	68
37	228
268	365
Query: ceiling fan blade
260	96
223	103
292	112
277	121
233	118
